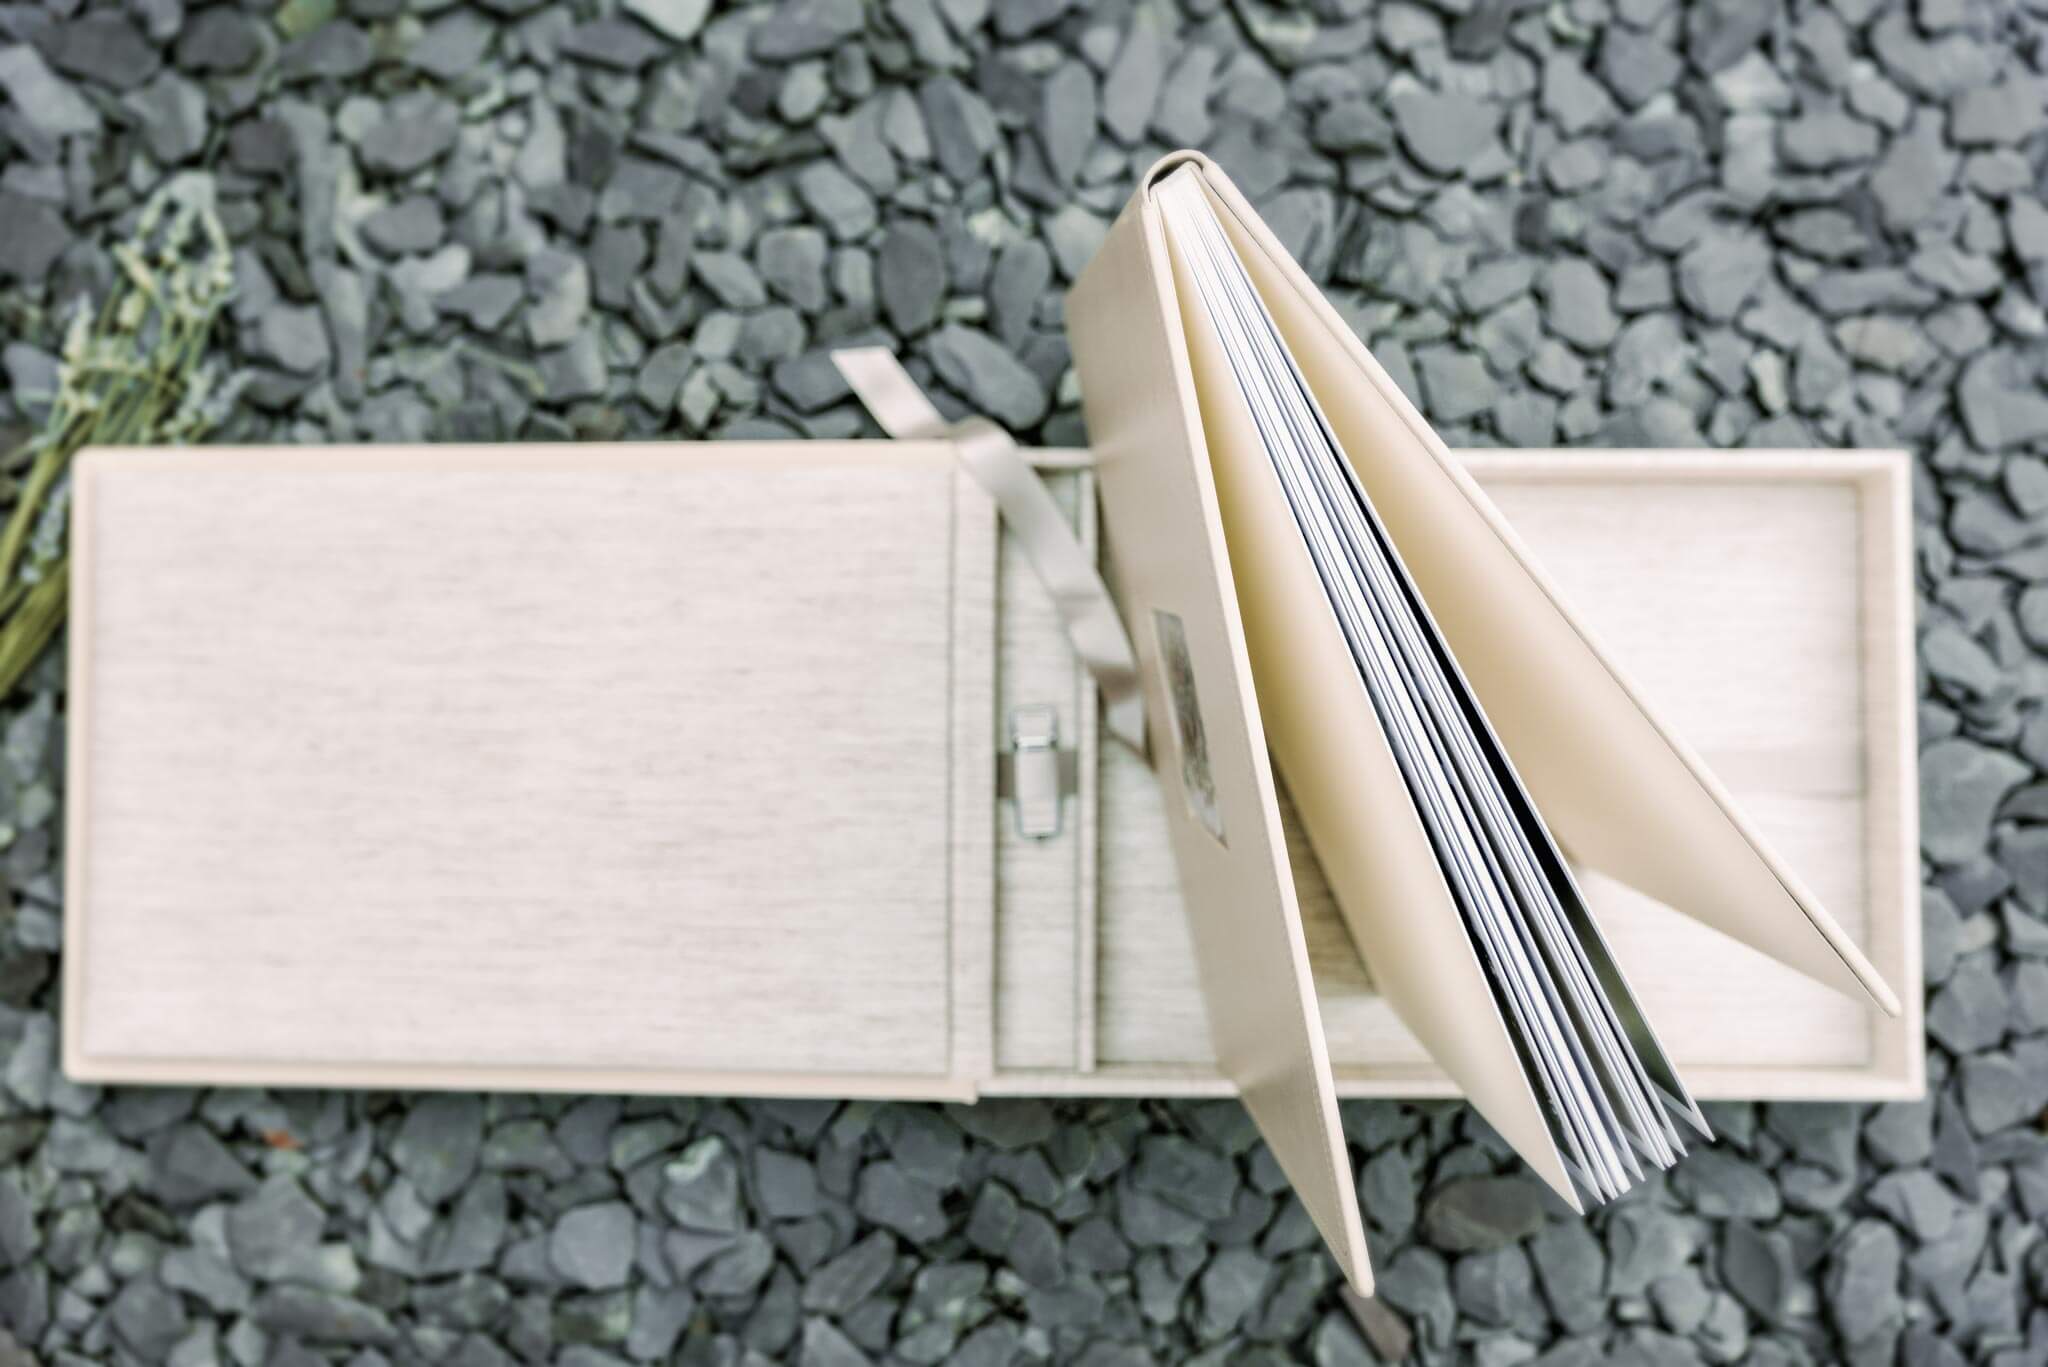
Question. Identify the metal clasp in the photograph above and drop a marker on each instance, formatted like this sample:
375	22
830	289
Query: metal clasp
1034	773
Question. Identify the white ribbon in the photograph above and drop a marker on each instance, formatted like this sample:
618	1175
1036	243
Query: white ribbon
992	460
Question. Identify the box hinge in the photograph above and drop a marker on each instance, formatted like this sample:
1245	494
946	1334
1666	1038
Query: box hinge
1035	774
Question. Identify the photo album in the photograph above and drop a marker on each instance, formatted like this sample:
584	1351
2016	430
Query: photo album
1305	569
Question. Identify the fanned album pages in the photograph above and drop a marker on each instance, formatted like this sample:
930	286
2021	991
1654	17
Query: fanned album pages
1309	573
1605	1087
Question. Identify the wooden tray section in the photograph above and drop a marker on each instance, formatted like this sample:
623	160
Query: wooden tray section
1763	602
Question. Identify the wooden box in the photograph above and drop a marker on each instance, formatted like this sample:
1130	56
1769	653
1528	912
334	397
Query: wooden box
534	768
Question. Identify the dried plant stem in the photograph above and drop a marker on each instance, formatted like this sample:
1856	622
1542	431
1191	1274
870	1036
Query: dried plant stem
133	372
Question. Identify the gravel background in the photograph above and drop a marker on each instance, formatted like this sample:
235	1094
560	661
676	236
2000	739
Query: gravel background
1588	221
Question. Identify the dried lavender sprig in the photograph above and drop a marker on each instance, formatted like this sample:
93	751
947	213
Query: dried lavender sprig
130	372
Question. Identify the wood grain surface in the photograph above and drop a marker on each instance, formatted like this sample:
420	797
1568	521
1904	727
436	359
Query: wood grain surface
636	759
665	768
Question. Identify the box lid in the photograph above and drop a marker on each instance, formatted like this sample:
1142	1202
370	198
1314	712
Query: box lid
543	766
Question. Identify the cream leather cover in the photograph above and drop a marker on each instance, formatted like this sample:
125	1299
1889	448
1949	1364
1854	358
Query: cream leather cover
1165	544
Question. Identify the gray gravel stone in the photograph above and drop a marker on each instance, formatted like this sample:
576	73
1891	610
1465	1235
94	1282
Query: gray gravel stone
323	1317
1571	1268
1476	1213
1826	138
1816	1133
1969	1013
612	42
592	1246
910	277
1862	1280
414	130
1007	1123
1721	272
147	1319
293	338
472	1235
805	28
700	1189
558	290
413	224
1645	1243
170	114
1917	1201
337	50
438	1143
1186	1175
484	301
1456	383
1066	118
32	237
1417	1282
274	1233
45	101
218	41
825	1346
2001	1089
1913	172
676	19
1721	1184
989	376
785	1185
1719	32
792	265
1495	1287
1229	1287
899	1200
1576	303
1756	1266
2000	404
960	125
1571	97
18	1234
1635	66
1961	784
1131	86
106	48
850	1278
837	199
452	45
188	1165
1444	132
208	1277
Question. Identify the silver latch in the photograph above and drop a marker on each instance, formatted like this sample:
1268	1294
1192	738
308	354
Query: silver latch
1034	773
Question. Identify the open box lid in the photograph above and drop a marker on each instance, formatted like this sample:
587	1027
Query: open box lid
532	767
1165	546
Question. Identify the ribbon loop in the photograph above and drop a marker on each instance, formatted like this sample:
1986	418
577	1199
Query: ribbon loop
991	459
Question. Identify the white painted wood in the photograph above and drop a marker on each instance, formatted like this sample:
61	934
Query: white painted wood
1757	599
663	765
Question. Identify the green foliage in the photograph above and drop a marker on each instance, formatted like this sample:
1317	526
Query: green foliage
132	372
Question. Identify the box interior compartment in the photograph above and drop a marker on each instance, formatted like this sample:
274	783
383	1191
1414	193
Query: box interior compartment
1762	602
